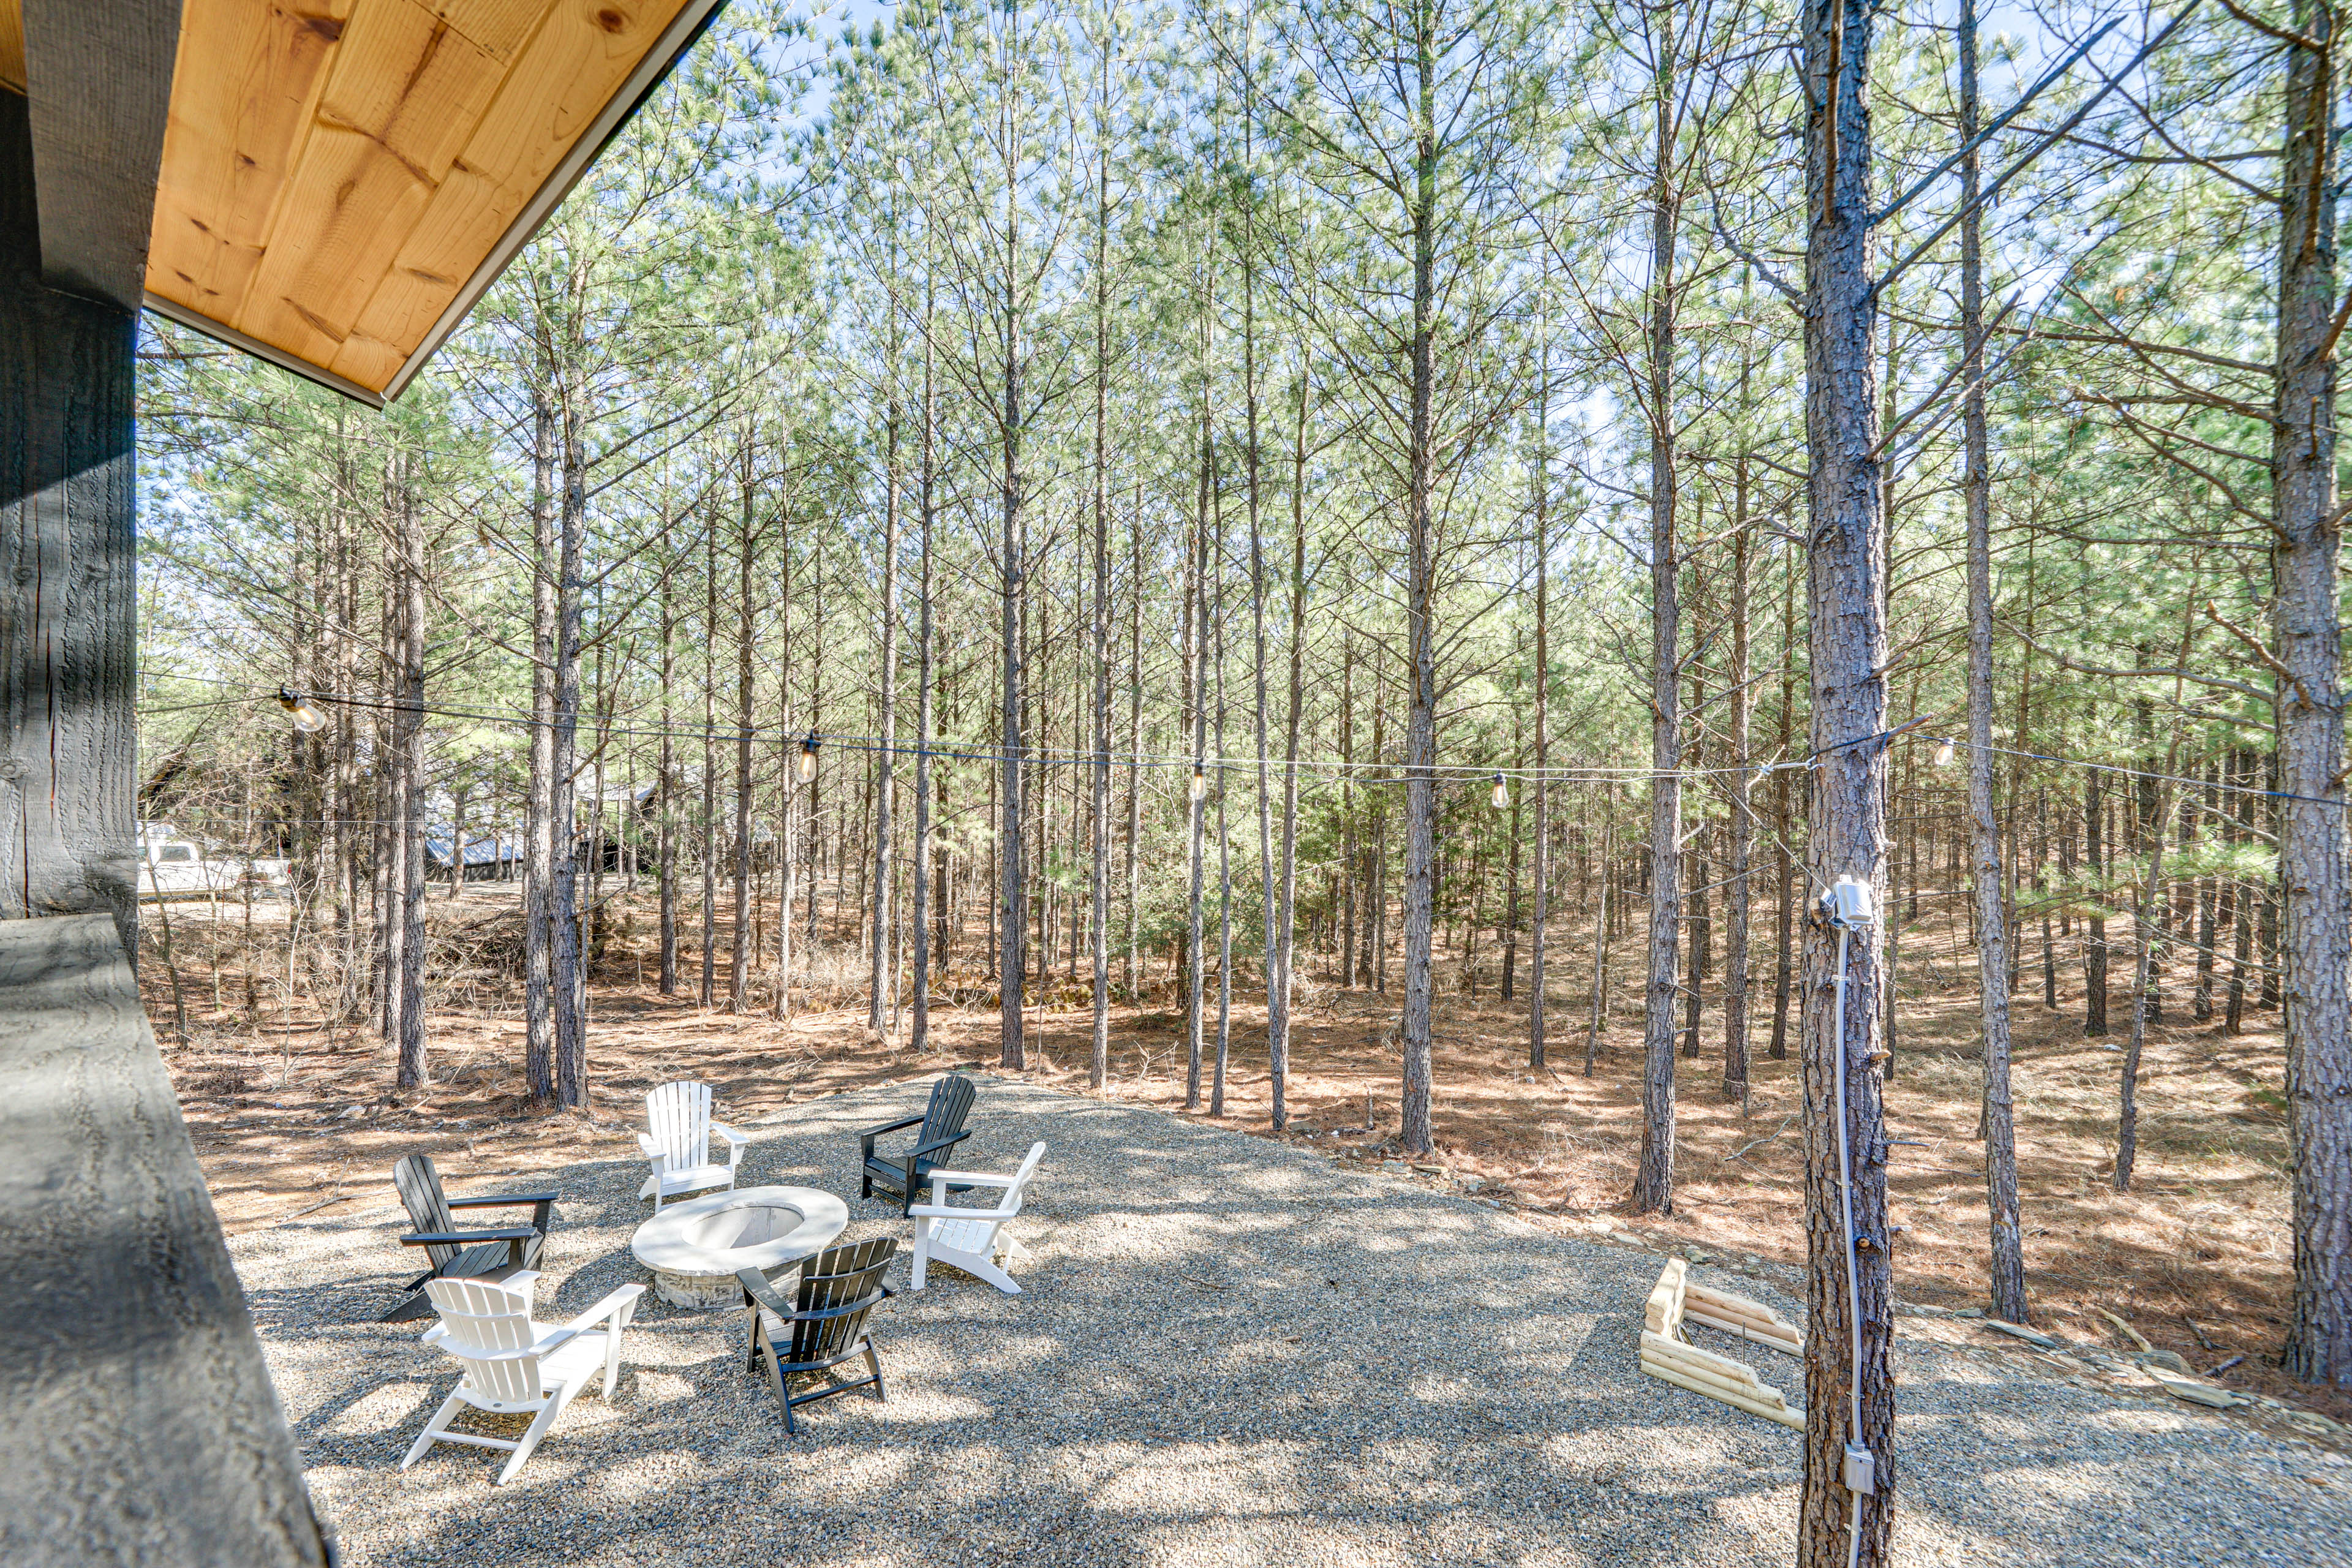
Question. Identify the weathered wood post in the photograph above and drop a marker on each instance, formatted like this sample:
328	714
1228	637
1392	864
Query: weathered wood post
67	621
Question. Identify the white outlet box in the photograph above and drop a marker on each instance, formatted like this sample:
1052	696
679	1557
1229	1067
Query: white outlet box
1850	902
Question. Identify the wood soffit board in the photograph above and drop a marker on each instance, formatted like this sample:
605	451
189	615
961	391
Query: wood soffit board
343	178
12	45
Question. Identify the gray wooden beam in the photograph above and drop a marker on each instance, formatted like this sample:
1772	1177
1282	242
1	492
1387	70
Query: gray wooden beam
100	80
67	606
141	1427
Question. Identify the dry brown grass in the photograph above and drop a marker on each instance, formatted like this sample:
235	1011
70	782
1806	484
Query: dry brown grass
292	1115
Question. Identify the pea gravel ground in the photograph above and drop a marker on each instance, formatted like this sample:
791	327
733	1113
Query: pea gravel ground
1230	1353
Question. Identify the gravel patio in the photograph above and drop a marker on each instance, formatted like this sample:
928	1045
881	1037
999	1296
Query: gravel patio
1230	1351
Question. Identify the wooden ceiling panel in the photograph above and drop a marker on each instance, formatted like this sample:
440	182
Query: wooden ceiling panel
12	45
571	69
405	92
498	27
410	82
244	98
341	176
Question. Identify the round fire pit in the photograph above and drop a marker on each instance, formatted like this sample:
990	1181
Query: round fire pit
695	1247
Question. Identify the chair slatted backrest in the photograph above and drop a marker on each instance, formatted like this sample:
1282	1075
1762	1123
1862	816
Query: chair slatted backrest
679	1117
488	1327
419	1185
1015	1194
951	1100
840	1276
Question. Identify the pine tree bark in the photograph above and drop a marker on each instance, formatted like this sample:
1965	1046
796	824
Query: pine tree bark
405	971
706	987
570	989
666	848
1278	1030
1784	818
1012	957
1196	675
2318	932
739	975
925	721
1848	1384
2095	939
882	977
2008	1270
1653	1179
1421	607
1539	917
539	836
1741	829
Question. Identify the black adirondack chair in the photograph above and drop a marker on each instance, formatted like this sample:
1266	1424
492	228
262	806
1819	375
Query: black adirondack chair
462	1254
825	1324
908	1175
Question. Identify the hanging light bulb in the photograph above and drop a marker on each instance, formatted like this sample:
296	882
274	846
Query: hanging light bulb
1943	752
1200	783
807	764
1501	796
301	711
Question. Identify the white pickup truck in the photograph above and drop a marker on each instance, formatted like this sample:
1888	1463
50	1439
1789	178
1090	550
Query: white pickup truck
172	867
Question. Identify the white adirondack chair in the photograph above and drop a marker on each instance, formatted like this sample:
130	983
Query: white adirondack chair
972	1239
512	1364
678	1144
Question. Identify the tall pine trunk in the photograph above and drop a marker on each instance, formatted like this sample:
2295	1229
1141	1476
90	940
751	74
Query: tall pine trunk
1540	918
1742	827
569	972
1653	1179
1420	608
1279	1027
539	833
738	978
2008	1275
882	978
925	721
2318	925
1848	1384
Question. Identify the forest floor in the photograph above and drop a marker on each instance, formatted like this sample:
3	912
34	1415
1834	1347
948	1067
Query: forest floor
289	1117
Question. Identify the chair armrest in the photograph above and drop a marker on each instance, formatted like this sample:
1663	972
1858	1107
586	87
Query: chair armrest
620	1303
758	1289
970	1178
947	1211
464	1237
508	1200
950	1141
645	1145
735	1142
865	1139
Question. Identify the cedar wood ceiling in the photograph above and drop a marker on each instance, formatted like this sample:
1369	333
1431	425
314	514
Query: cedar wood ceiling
12	45
341	178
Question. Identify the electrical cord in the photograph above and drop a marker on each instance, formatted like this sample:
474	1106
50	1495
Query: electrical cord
1849	905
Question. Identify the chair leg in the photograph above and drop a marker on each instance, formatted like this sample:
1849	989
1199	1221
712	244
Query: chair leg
538	1429
922	1252
767	1349
981	1267
433	1430
874	1362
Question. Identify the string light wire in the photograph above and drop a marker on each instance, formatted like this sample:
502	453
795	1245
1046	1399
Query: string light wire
1063	756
